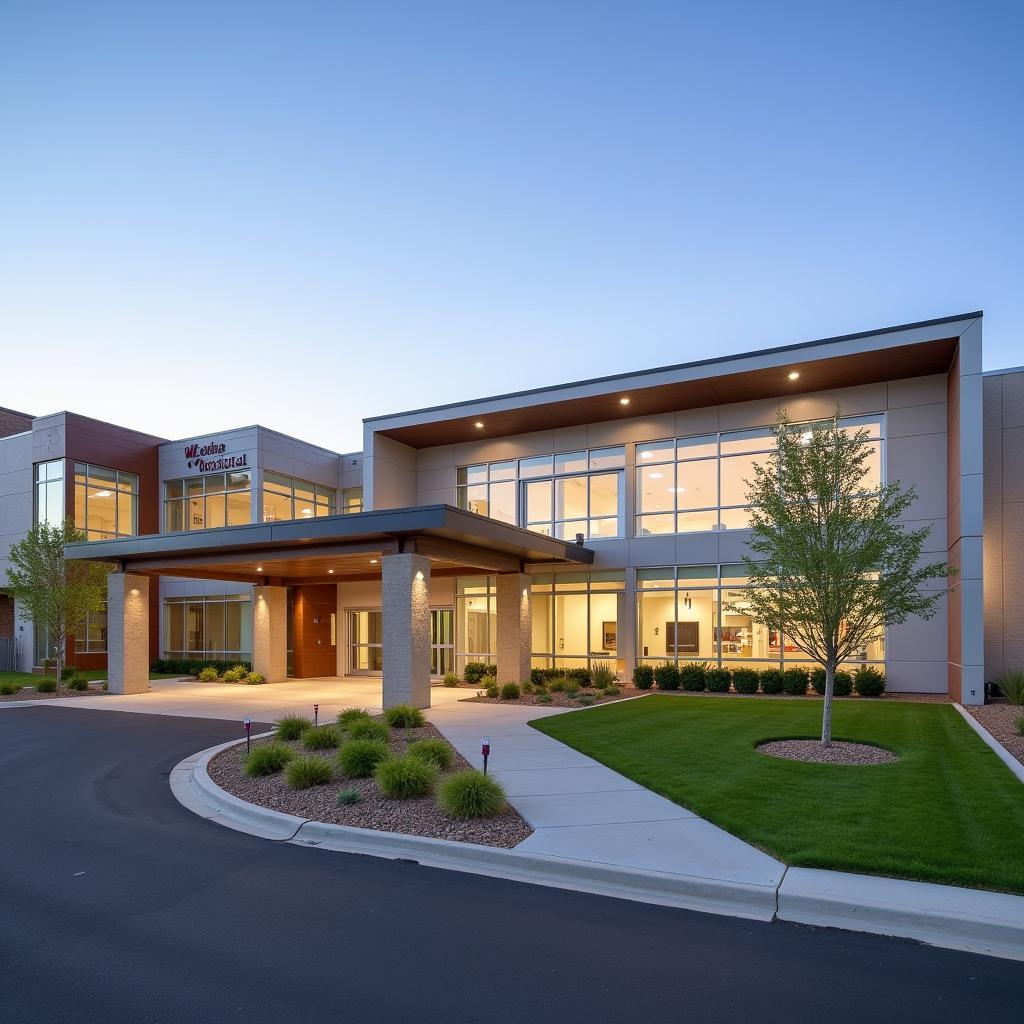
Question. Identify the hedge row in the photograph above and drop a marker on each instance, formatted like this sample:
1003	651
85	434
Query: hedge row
698	677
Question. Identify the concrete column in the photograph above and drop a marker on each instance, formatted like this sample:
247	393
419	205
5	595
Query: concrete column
405	603
270	633
515	627
127	633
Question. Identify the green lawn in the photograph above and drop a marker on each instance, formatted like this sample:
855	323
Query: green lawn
92	674
949	811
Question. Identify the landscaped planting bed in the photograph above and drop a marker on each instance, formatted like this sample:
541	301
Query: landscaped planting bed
947	811
1001	720
30	693
25	686
360	802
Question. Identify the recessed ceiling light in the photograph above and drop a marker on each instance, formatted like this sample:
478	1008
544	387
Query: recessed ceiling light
646	455
657	476
479	425
373	561
330	572
793	375
624	400
259	568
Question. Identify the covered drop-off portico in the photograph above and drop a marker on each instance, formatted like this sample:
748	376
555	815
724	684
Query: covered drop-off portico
400	550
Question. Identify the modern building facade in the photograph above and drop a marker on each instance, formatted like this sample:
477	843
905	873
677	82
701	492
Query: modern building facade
602	520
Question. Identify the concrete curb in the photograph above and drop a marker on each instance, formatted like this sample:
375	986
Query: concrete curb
940	915
1000	751
970	920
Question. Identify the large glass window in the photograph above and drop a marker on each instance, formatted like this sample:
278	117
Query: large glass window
203	502
351	500
49	492
286	497
216	627
558	495
91	637
696	484
106	502
476	621
702	613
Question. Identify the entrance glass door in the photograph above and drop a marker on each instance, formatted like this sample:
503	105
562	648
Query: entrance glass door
365	642
442	641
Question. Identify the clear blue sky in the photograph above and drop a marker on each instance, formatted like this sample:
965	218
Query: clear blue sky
305	213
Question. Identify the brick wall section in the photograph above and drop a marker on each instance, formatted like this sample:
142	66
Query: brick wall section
6	616
12	422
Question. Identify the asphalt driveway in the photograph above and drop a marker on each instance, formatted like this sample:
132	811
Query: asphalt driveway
117	904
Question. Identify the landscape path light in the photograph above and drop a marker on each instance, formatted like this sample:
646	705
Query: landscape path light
316	713
248	734
485	749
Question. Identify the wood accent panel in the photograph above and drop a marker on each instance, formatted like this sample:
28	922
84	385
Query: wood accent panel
896	363
313	654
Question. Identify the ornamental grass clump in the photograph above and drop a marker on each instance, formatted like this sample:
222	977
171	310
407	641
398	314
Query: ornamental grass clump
601	675
1011	683
471	794
255	678
437	752
348	717
306	772
451	680
367	729
291	727
9	689
46	686
492	691
321	737
77	683
234	675
1019	725
348	797
404	716
510	691
208	674
405	778
268	759
358	759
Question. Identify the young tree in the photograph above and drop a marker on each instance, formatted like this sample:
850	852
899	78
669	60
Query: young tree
831	565
51	591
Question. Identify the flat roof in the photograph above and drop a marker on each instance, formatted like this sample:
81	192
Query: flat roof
332	549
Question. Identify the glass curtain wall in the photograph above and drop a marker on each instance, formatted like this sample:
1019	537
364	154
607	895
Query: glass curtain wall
286	497
91	637
365	641
701	613
476	621
202	502
215	627
49	492
106	502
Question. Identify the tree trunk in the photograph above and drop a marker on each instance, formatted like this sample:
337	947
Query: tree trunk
826	715
59	652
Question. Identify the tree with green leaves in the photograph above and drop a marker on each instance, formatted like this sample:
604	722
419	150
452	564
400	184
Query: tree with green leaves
831	563
53	592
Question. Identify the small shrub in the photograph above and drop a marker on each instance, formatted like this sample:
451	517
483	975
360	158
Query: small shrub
745	680
368	729
544	698
584	700
667	677
437	752
1011	683
305	772
537	676
46	686
578	675
771	680
9	689
321	737
233	676
348	797
67	672
474	671
404	778
643	677
471	794
492	691
869	682
348	717
488	680
358	759
255	679
77	683
571	688
208	675
1019	724
556	684
842	682
718	680
291	727
694	676
242	670
511	691
601	675
267	759
404	716
794	681
451	680
528	689
611	691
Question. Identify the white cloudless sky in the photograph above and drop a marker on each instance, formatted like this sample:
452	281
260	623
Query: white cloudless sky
303	214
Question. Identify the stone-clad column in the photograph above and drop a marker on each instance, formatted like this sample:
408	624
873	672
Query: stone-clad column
270	632
127	633
515	627
405	602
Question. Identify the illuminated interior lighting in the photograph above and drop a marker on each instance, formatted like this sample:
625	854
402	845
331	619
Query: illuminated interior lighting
793	375
479	425
624	400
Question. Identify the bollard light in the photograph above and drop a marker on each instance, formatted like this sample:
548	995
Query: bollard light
316	713
485	749
248	734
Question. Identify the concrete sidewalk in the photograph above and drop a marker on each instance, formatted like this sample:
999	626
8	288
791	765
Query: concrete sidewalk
583	811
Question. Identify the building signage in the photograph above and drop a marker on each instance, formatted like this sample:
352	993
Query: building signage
210	457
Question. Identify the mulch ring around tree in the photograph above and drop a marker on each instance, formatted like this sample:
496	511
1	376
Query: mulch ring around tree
841	752
420	816
31	693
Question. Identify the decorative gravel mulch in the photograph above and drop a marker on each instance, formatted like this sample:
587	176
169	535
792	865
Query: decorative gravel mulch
840	752
558	699
1001	721
418	817
30	693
